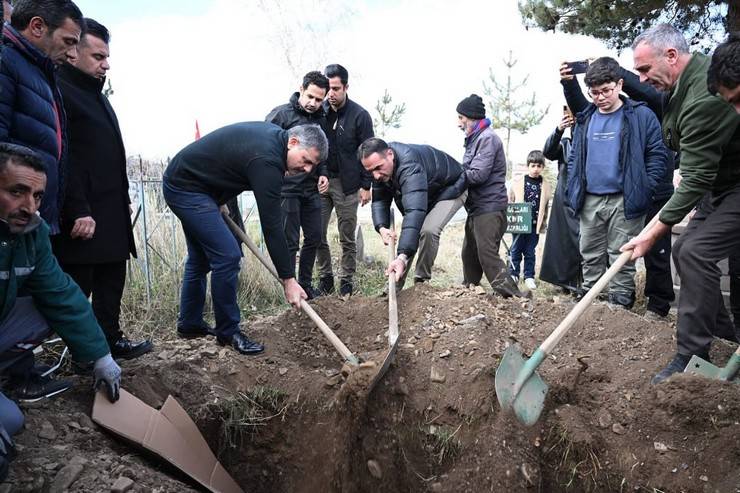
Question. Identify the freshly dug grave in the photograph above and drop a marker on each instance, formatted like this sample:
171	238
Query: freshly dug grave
288	421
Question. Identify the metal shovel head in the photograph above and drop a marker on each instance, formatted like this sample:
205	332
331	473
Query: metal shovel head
529	402
389	357
699	366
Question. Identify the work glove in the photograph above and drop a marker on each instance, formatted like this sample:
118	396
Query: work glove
107	372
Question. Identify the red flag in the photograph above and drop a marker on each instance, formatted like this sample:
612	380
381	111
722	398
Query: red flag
197	130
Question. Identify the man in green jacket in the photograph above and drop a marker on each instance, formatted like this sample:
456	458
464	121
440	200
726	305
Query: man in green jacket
50	301
704	129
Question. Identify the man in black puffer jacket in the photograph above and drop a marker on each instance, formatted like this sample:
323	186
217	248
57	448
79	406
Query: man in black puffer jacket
41	36
428	186
300	198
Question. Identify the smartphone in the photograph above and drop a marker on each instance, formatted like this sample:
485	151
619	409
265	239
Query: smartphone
578	67
566	111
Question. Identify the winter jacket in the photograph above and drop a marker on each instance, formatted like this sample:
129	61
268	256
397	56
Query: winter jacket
422	176
287	116
637	91
27	265
517	195
704	130
32	115
97	184
642	158
235	158
484	163
347	128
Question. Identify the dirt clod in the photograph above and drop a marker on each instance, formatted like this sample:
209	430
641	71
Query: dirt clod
374	468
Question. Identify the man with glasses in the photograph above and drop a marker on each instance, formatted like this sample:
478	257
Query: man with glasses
617	159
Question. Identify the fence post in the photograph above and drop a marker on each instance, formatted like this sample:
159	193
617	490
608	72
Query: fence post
147	273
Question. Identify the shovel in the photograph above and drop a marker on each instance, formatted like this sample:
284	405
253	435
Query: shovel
328	333
392	316
698	366
518	386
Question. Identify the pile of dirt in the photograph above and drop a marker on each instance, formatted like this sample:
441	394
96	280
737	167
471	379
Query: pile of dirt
289	421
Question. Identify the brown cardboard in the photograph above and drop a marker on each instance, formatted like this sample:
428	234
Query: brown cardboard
169	433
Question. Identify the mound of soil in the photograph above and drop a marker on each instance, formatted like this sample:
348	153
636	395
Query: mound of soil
295	420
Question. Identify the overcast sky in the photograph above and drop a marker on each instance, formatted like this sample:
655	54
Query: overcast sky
224	61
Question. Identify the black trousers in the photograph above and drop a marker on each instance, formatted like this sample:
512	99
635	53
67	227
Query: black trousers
658	281
303	212
711	236
105	282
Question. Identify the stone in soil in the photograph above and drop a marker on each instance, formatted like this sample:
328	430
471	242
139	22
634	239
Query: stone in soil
122	485
65	477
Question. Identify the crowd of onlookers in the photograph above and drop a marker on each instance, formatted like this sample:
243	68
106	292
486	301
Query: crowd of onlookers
66	235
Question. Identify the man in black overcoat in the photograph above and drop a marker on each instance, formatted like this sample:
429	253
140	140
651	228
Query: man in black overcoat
96	238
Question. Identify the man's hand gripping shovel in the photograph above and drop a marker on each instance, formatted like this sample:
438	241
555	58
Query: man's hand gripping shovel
346	354
518	386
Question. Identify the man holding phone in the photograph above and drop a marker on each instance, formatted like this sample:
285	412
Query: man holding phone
561	258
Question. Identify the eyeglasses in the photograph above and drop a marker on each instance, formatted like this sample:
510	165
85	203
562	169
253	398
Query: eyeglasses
604	92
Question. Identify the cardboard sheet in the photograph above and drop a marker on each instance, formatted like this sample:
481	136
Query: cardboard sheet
169	433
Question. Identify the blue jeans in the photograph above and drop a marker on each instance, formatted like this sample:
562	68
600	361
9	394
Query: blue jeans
211	248
523	246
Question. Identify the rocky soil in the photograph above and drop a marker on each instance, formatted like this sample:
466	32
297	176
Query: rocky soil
291	421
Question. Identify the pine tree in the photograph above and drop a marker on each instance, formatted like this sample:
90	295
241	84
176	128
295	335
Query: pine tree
389	115
618	22
508	110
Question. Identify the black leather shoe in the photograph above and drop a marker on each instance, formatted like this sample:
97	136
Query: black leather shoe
242	344
124	348
194	332
326	285
345	287
624	300
311	293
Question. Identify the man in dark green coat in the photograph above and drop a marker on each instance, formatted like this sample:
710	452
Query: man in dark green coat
704	129
50	301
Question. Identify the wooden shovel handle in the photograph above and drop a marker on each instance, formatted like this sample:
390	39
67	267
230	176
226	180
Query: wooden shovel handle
392	300
592	293
328	333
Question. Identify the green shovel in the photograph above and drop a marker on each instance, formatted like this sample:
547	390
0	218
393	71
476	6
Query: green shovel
518	386
698	366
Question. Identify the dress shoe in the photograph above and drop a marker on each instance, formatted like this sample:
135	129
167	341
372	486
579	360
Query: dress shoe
311	293
242	344
345	287
326	285
622	300
194	332
125	348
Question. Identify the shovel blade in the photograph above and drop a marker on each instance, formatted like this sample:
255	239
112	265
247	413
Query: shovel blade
530	401
699	366
389	357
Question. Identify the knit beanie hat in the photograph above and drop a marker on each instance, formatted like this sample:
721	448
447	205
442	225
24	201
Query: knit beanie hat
472	107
